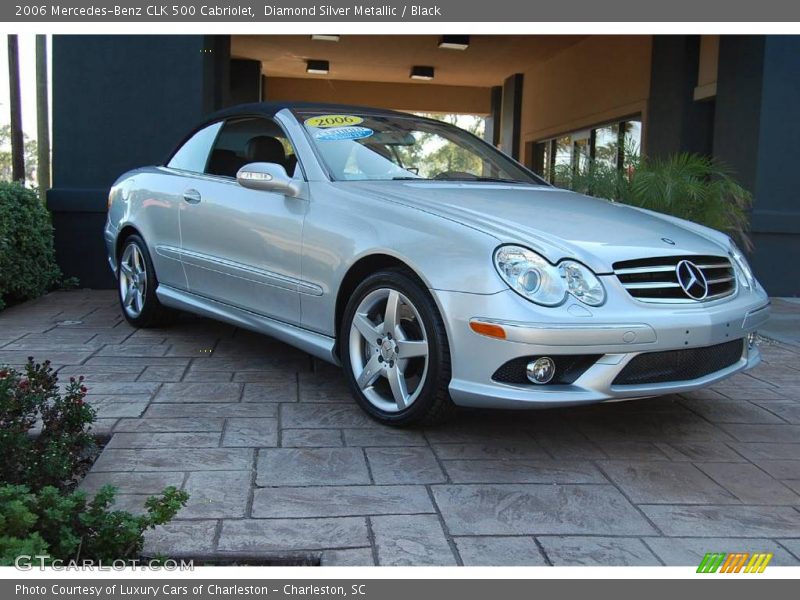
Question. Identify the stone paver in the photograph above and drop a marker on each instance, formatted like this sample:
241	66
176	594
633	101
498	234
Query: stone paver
411	541
217	494
311	466
281	463
404	465
509	509
181	538
522	471
256	432
596	551
311	438
665	483
282	535
164	440
753	521
498	551
133	483
339	501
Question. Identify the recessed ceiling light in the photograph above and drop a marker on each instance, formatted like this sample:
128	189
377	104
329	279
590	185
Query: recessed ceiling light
454	42
318	67
422	73
326	38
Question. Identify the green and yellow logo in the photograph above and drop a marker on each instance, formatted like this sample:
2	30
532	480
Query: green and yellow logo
734	562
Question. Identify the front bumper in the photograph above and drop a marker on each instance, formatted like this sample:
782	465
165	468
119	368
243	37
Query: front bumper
617	331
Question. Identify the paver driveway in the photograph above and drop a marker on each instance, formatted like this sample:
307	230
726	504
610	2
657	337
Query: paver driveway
280	462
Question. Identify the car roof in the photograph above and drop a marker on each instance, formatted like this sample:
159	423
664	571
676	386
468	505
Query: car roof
270	109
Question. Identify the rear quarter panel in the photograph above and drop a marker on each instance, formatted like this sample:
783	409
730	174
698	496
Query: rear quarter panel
148	200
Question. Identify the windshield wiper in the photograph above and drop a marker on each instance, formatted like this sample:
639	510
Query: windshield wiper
481	179
464	179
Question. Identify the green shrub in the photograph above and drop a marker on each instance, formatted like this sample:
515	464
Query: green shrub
66	526
689	186
45	443
55	454
27	261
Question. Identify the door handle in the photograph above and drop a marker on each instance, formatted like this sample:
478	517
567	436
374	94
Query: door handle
192	196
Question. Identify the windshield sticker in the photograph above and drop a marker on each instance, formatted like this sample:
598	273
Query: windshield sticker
325	121
343	133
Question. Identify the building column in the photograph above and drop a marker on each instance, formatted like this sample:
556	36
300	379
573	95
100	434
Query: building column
676	122
756	127
511	115
246	81
120	102
492	131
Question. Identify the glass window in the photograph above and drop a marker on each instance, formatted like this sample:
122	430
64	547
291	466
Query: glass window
633	137
563	160
615	146
386	147
247	140
541	159
193	155
606	145
581	150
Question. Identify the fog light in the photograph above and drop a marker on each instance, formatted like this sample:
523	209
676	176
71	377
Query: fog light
542	370
751	339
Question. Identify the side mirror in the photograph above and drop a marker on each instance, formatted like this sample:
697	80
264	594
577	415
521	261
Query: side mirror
267	177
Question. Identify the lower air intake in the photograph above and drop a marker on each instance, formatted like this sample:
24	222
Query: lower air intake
679	365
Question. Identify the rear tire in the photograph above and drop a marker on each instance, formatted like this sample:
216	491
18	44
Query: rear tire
394	351
137	285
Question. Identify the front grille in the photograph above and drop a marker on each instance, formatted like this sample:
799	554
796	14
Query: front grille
656	279
568	369
679	365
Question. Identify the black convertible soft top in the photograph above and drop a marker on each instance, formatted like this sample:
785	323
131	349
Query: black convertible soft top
269	109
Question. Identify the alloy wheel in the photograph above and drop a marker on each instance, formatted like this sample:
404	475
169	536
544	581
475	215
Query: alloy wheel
389	351
132	280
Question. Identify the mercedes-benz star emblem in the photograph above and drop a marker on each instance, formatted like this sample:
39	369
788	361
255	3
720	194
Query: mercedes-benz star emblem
692	280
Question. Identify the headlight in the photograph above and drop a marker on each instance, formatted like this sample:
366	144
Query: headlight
743	270
582	283
535	279
530	275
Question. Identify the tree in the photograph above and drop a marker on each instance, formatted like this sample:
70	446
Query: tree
16	135
42	118
30	150
431	154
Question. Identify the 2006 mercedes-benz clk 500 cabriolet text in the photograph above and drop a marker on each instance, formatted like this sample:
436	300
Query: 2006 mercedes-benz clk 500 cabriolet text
436	270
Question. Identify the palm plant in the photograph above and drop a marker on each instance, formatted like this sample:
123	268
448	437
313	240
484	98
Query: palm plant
688	186
697	188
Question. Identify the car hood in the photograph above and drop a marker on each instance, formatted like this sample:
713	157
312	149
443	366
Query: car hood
556	223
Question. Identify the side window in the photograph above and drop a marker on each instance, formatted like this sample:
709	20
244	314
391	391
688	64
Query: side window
193	155
250	139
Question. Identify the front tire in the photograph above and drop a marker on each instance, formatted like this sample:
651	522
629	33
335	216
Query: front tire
137	285
394	351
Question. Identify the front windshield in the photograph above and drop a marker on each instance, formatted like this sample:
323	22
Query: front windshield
380	148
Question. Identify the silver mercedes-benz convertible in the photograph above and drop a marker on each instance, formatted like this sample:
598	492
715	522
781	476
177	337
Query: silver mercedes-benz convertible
433	268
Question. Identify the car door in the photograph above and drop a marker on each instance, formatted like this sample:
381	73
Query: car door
162	199
239	246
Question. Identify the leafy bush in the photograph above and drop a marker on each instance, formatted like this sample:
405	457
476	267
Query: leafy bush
67	527
689	186
31	400
45	443
27	260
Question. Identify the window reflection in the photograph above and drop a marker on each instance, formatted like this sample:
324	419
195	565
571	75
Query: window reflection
607	144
